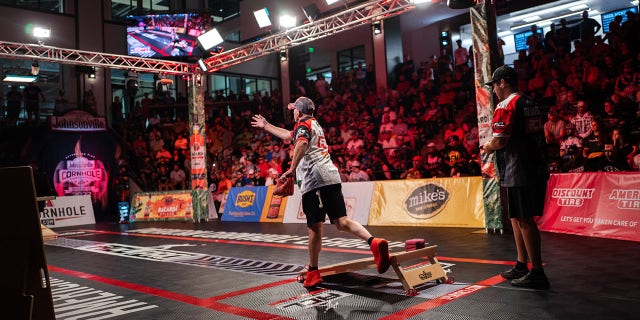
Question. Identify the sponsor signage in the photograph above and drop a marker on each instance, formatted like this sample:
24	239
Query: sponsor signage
426	201
596	204
76	121
440	202
246	204
162	206
81	173
67	211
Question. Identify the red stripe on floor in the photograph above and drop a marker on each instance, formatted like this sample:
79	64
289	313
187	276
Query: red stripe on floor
442	300
208	303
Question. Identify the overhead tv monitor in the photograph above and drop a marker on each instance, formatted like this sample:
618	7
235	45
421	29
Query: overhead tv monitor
520	39
166	35
608	17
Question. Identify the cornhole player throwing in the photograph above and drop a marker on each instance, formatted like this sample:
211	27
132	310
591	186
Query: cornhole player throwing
321	186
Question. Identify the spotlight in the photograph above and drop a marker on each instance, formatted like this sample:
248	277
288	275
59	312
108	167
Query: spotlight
202	65
210	39
262	17
283	55
92	72
41	34
377	27
287	21
35	68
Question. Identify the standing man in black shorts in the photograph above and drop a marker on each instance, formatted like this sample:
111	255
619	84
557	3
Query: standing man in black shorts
321	186
523	176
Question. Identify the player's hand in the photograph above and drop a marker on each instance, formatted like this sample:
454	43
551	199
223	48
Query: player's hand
286	174
258	121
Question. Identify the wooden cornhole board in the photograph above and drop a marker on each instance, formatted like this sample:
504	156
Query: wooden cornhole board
410	276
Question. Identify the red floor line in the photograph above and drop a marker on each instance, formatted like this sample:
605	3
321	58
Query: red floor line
442	300
208	303
289	246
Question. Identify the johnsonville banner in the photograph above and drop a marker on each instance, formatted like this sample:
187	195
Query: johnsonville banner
439	202
595	204
162	206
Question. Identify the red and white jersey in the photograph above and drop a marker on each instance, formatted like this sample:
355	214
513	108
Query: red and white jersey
316	169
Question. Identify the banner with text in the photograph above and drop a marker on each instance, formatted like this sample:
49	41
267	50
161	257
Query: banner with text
357	198
596	204
438	202
162	206
245	204
67	211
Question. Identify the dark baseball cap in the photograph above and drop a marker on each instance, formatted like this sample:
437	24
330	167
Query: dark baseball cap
304	105
505	72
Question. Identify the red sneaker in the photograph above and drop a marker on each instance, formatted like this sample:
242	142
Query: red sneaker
380	250
312	279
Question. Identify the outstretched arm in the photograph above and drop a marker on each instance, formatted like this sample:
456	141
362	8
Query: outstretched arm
258	121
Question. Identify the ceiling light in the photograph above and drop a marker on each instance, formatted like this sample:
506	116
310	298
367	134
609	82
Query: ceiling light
531	18
287	21
579	7
547	20
330	2
262	17
19	78
377	27
202	65
517	16
42	33
210	39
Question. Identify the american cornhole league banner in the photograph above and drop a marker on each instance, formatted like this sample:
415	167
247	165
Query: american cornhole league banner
162	206
67	211
594	204
438	202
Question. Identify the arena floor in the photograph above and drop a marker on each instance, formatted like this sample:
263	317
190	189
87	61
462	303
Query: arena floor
223	270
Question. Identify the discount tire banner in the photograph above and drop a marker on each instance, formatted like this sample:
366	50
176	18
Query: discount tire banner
596	204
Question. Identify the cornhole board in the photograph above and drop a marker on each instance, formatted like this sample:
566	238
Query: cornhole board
410	275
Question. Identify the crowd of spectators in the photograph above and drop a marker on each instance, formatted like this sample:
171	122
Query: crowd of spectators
424	124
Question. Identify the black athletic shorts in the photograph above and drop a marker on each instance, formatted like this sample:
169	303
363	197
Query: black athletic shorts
523	202
327	200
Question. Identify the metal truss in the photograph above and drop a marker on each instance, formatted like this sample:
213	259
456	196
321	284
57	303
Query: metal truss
350	18
347	19
93	59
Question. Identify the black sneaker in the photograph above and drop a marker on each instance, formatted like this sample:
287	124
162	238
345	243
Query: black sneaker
532	280
514	273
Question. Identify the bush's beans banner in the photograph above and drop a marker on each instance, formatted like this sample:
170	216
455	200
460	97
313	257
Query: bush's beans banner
595	204
246	204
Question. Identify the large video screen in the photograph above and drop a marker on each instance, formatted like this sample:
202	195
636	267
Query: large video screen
608	17
166	35
520	39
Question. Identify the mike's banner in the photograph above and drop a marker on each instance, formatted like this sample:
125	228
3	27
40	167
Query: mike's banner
439	202
596	204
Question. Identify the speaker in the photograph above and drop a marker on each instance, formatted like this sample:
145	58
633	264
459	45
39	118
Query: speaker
460	4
